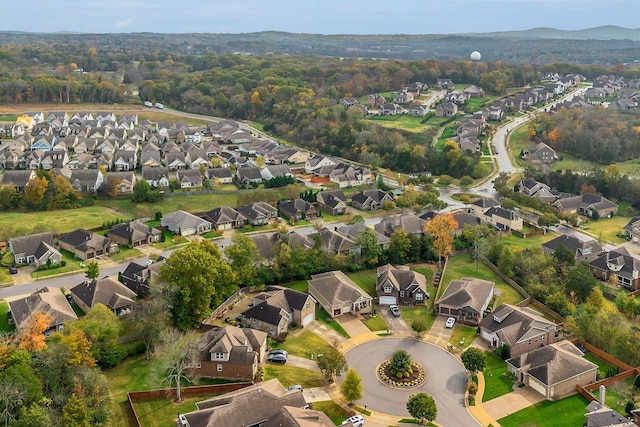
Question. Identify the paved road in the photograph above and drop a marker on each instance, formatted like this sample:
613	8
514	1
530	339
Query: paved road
446	382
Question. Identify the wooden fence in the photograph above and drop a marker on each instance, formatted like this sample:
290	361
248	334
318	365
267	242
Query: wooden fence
603	355
507	279
203	390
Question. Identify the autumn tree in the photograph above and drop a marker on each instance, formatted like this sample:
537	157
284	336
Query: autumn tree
75	413
34	192
102	329
441	228
177	356
197	279
77	345
351	387
30	335
331	363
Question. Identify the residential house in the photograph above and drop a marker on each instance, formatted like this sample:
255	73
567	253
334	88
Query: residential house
445	84
375	101
276	309
86	244
189	178
553	370
124	182
458	97
520	329
80	161
370	200
220	175
37	249
46	300
247	175
297	209
404	97
156	177
230	352
54	160
273	171
346	175
175	160
18	178
333	202
400	285
335	243
225	218
540	153
619	263
354	230
410	223
86	180
348	102
338	295
258	213
45	143
137	277
598	415
316	162
466	300
417	110
540	190
9	159
102	159
446	109
474	91
582	250
270	405
390	109
134	233
185	224
493	112
197	158
632	230
289	155
106	291
587	204
503	219
124	160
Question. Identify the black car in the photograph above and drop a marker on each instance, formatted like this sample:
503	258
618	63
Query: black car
13	270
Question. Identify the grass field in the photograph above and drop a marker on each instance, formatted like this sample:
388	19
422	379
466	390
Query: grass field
73	264
290	375
303	345
463	266
333	411
366	279
606	229
614	400
515	243
323	317
409	314
376	323
4	318
565	412
602	365
300	285
463	334
402	121
163	412
496	382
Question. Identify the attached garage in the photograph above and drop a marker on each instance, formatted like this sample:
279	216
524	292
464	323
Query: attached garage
308	319
387	300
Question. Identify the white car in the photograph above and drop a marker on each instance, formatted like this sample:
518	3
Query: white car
356	420
450	322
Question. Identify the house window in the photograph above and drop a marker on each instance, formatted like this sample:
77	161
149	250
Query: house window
198	365
387	289
401	294
219	368
418	297
218	356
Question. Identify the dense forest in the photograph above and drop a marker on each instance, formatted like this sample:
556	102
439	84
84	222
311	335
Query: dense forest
599	135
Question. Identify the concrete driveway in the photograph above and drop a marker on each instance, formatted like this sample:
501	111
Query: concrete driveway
512	402
352	325
439	334
446	381
397	325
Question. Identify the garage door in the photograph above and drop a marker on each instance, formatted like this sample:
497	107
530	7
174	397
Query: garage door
537	386
308	319
387	300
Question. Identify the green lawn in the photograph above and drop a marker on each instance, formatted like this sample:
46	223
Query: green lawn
4	318
125	253
495	379
73	265
300	285
409	314
602	365
515	243
463	266
376	323
366	279
403	121
333	411
460	332
565	412
5	277
290	375
607	229
613	399
323	317
163	412
303	345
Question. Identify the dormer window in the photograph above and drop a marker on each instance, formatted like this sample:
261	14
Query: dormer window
218	356
387	289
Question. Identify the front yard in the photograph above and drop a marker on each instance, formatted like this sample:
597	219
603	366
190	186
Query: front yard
290	375
495	378
303	345
565	412
72	265
333	411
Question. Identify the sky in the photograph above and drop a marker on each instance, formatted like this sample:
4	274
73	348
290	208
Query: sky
314	16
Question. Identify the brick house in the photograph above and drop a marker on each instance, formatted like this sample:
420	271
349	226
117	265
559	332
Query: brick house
466	299
399	285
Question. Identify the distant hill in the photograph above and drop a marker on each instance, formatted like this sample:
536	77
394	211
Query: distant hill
606	45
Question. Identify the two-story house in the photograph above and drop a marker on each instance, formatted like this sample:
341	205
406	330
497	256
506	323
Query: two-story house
400	285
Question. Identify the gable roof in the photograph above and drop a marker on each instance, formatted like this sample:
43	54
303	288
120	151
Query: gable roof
237	342
331	198
408	222
515	324
82	239
553	363
618	260
28	245
224	214
134	230
355	229
401	279
105	291
580	248
48	300
335	287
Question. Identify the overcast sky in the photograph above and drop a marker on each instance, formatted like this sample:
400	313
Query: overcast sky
315	16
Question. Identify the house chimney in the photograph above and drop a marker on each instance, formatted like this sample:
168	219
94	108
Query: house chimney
602	395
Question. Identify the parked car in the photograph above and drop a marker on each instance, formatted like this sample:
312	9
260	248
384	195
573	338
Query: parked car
450	322
277	351
394	310
277	358
13	270
356	420
294	387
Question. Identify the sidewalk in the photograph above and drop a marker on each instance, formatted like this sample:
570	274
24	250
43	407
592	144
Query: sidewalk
351	325
478	411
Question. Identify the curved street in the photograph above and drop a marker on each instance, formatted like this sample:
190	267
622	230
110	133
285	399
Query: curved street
446	381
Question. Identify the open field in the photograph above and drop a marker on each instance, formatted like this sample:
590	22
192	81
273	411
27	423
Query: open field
402	121
565	412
